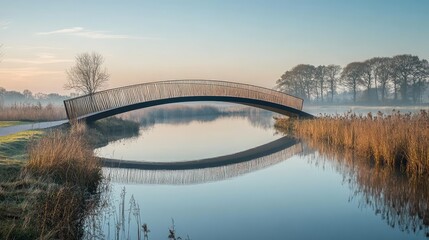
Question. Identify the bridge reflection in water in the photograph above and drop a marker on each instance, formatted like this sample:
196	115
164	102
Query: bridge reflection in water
205	170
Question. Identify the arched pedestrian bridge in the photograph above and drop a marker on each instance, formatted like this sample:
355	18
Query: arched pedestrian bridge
118	100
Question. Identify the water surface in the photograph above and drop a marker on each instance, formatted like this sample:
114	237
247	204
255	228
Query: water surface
292	194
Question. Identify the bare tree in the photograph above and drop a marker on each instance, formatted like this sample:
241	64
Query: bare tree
405	69
383	75
320	77
333	72
352	76
420	78
87	75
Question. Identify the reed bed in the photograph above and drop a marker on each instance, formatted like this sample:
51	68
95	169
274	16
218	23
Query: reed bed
32	112
397	140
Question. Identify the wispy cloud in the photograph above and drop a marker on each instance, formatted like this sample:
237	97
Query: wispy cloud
42	58
82	32
4	24
28	47
25	72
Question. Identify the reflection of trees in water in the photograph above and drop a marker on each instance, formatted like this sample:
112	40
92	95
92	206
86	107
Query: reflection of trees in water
400	200
182	115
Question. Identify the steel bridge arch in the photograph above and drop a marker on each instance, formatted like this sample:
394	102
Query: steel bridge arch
110	102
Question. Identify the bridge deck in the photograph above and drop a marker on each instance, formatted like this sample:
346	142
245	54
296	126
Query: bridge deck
113	101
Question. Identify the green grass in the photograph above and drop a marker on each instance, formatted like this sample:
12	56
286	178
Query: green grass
11	123
9	169
14	146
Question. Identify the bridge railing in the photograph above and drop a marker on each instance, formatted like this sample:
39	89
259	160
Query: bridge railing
119	97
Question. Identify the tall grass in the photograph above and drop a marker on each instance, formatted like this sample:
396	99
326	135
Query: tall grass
32	112
68	175
65	158
397	140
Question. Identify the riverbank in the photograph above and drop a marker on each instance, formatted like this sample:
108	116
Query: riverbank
397	140
50	180
47	195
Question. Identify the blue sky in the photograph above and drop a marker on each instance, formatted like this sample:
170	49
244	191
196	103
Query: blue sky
244	41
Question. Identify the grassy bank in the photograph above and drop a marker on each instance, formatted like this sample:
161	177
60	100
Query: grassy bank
398	141
14	146
49	180
50	195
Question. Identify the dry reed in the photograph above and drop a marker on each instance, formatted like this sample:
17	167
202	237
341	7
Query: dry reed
398	140
32	112
65	159
66	164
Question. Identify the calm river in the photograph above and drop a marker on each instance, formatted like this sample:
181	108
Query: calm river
291	193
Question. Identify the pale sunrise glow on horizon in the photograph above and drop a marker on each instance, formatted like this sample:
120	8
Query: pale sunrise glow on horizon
243	41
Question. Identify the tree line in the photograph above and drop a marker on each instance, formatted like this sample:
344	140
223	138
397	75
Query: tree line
401	78
8	98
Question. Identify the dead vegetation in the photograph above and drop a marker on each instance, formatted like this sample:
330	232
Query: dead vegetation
54	190
32	112
399	141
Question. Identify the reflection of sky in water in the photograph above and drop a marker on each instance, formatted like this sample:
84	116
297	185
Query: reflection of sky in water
194	140
290	200
294	199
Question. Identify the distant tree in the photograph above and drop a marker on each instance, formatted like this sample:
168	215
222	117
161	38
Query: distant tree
299	81
306	73
88	75
383	75
289	83
352	77
420	79
41	96
320	75
332	74
405	72
27	94
371	77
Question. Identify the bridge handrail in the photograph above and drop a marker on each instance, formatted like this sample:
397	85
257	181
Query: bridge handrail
122	96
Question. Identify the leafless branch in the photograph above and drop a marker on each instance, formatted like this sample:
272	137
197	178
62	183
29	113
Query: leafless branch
87	75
